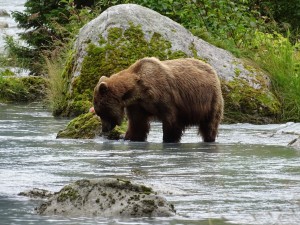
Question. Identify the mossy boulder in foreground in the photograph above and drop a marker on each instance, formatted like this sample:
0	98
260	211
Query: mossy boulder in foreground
107	197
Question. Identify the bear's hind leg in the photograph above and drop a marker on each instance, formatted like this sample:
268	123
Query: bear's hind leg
208	130
172	133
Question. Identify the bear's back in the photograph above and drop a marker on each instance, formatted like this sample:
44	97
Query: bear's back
190	85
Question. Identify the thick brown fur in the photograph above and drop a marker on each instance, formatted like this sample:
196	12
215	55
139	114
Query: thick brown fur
179	93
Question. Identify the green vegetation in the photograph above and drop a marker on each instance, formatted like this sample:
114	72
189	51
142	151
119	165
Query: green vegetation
49	25
56	93
85	126
21	89
281	59
226	23
68	193
265	31
244	103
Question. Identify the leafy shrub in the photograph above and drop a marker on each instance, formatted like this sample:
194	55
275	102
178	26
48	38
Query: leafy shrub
225	23
285	15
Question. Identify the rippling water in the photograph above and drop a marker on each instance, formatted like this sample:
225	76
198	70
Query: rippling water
236	181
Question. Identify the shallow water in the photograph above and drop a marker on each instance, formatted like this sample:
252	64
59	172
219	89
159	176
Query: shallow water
237	180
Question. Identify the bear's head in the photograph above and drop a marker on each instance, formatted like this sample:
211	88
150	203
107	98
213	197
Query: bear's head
108	106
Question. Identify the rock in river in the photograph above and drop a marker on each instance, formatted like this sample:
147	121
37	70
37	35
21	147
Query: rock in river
106	197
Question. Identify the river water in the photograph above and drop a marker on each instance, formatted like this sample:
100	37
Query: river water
248	177
12	30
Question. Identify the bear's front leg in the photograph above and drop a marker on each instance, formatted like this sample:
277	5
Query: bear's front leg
172	133
137	132
138	124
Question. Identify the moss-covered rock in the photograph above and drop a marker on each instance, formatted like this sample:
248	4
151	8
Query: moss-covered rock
244	103
88	126
84	126
22	89
106	197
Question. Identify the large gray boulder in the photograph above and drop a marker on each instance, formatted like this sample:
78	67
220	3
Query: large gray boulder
117	37
106	197
226	65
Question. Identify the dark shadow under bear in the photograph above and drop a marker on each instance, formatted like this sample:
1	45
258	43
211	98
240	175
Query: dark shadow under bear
179	93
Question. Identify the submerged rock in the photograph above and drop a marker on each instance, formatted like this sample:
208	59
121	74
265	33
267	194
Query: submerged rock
107	197
295	143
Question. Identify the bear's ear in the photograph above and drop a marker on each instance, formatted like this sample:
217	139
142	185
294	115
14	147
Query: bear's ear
103	88
102	78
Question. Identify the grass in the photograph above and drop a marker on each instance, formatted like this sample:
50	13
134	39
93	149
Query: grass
281	59
56	96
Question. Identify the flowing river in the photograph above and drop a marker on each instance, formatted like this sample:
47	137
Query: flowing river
248	176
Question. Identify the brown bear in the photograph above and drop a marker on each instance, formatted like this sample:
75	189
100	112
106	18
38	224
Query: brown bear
179	93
